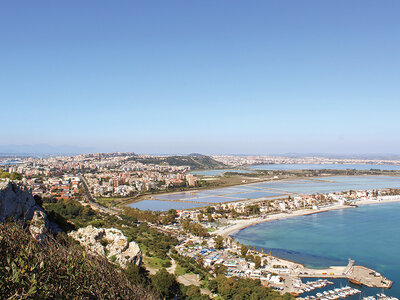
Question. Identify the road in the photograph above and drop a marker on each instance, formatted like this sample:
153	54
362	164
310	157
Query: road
92	201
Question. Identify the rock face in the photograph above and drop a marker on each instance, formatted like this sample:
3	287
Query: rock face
39	225
17	202
109	242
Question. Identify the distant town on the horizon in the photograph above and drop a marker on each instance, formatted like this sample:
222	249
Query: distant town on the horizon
49	150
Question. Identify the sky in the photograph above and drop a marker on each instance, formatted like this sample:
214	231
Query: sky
218	76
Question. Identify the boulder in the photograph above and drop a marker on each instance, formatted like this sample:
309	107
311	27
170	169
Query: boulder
17	203
109	242
38	225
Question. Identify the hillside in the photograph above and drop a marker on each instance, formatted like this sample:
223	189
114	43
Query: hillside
37	264
58	268
195	161
44	266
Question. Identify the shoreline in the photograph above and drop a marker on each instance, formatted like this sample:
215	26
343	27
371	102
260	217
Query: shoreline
239	225
129	200
299	270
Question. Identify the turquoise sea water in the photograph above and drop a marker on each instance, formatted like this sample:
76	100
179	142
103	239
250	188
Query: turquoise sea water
370	234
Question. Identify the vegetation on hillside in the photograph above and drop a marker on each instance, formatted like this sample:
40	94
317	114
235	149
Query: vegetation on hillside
158	248
12	176
197	161
58	268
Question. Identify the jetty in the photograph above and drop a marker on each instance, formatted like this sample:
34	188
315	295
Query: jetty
370	278
356	274
293	272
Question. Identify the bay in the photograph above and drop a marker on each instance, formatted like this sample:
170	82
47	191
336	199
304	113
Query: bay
370	234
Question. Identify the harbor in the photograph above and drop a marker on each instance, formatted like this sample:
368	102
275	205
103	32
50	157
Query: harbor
374	270
291	274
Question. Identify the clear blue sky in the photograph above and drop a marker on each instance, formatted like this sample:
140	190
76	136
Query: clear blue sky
202	76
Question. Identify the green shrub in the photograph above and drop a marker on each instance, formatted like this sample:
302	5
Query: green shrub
58	268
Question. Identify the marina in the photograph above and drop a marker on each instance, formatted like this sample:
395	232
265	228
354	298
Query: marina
337	293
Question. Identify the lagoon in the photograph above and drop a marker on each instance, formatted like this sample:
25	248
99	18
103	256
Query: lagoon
217	172
269	190
325	166
156	205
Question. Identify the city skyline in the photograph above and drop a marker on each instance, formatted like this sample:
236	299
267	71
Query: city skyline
182	77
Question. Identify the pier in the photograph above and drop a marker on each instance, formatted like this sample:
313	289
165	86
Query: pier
355	274
370	278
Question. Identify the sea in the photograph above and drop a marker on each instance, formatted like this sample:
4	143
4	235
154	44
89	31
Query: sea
369	234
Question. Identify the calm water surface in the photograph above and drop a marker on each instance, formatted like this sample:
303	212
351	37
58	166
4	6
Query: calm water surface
324	166
271	190
370	234
217	172
157	205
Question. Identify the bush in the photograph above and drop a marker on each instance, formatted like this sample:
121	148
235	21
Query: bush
165	284
58	268
239	288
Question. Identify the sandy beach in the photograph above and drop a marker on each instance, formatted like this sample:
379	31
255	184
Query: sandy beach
240	224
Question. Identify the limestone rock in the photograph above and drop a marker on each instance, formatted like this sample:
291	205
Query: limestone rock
17	202
39	225
109	242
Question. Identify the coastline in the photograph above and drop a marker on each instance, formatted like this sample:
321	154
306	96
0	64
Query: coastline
238	225
138	198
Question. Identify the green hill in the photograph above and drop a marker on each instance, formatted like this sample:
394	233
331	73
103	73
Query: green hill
195	161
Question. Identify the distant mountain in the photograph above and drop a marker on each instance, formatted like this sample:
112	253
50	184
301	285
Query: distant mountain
43	149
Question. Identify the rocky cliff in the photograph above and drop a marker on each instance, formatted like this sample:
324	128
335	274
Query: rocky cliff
17	202
109	242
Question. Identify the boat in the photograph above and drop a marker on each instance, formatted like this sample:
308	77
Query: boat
355	281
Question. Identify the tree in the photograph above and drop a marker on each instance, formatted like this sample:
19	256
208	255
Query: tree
200	217
219	242
220	269
239	288
136	274
257	261
253	209
200	261
193	292
15	176
210	218
243	250
164	283
195	228
168	219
